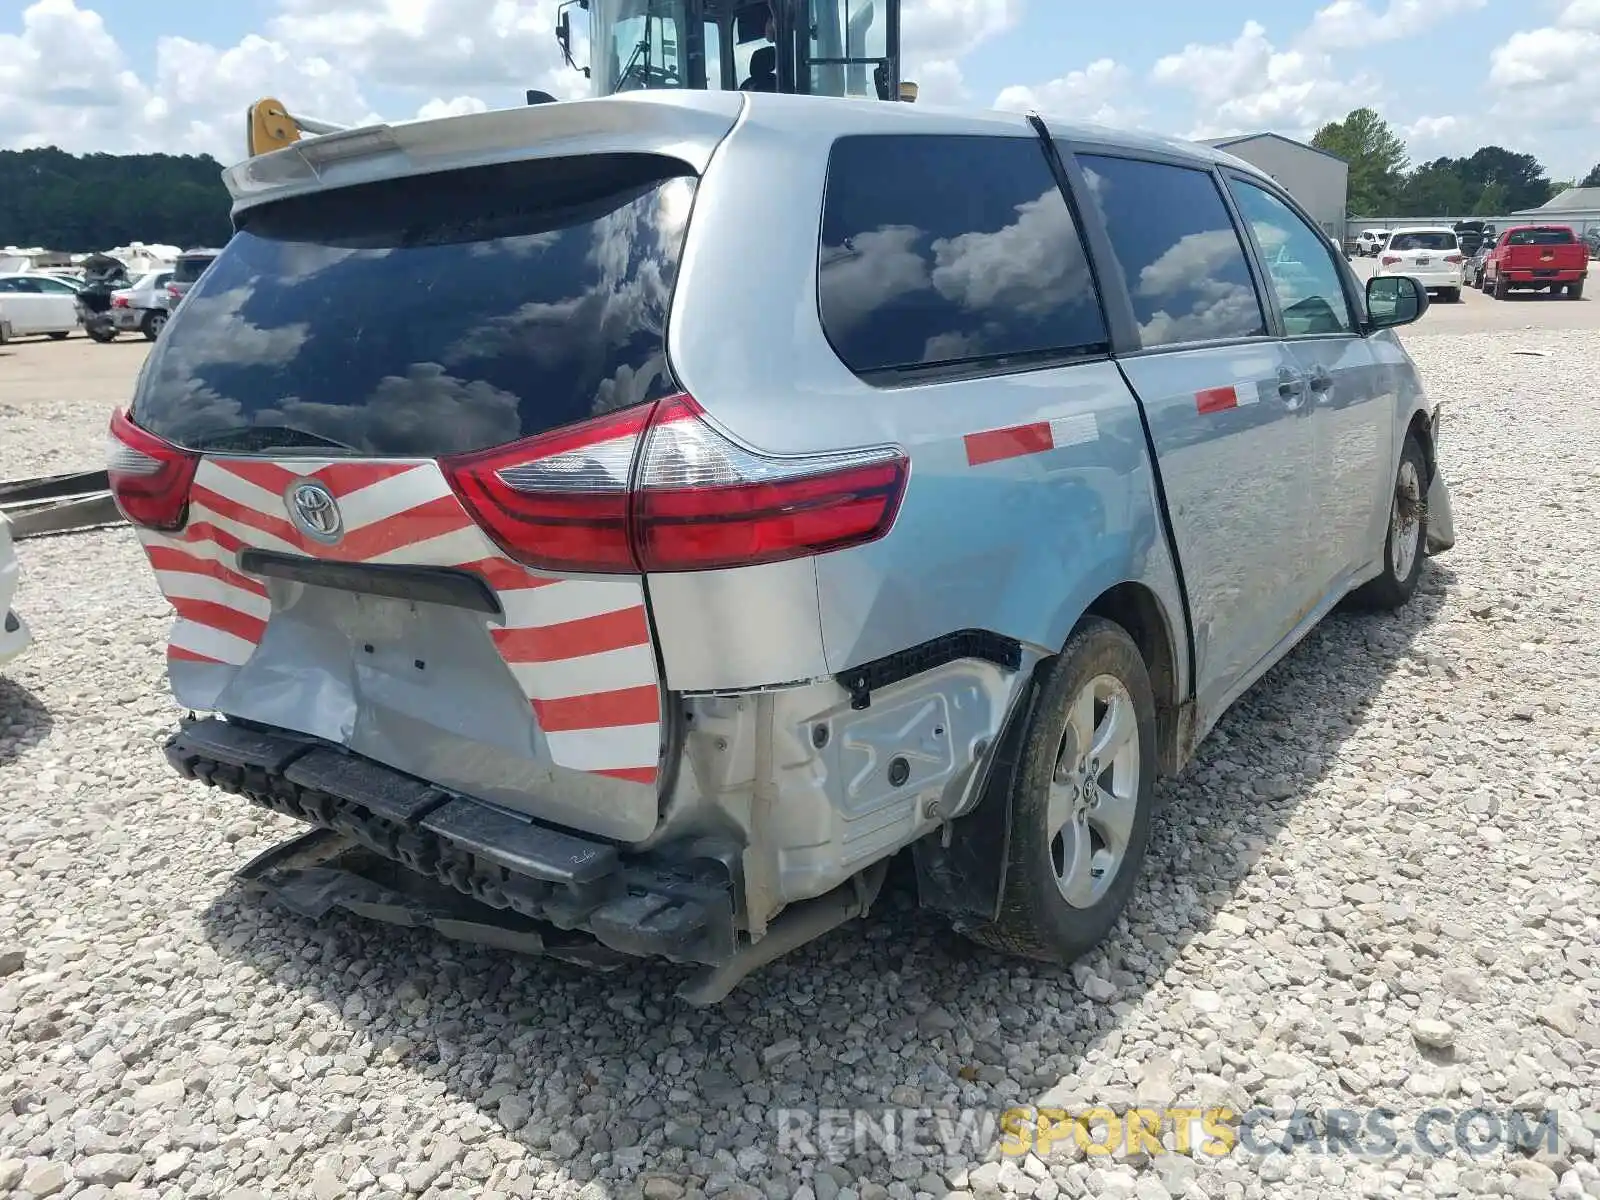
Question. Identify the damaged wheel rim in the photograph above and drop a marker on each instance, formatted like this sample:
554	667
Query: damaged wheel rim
1094	793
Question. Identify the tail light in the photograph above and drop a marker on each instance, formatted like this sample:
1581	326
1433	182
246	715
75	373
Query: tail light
150	477
173	292
559	500
119	302
1389	260
659	488
1452	258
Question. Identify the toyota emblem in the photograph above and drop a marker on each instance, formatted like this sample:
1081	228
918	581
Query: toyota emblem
314	511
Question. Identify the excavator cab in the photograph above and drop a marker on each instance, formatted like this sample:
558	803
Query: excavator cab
804	47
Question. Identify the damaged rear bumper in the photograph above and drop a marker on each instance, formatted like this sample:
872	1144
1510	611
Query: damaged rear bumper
412	854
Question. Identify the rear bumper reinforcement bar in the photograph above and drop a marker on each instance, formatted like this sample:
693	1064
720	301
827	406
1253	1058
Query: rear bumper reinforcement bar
680	909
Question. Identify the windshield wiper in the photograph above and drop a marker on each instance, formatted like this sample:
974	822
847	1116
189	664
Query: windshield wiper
262	439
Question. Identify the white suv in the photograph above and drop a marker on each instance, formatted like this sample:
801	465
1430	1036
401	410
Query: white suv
1371	240
1429	254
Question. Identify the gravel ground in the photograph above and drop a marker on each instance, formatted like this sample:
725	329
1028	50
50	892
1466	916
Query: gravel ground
1376	887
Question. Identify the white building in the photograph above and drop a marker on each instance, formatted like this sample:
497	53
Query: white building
1319	181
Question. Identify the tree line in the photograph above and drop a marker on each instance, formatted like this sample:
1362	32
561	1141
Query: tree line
78	203
1491	181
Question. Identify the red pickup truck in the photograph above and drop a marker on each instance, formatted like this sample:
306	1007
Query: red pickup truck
1536	256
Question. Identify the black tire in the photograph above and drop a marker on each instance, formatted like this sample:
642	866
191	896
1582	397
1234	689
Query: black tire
154	322
59	337
1036	920
1393	589
1451	295
5	333
1501	288
103	334
1575	290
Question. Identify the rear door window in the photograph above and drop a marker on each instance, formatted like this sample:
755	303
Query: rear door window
1180	255
951	254
431	315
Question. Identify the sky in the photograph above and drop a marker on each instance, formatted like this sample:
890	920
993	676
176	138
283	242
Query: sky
1449	75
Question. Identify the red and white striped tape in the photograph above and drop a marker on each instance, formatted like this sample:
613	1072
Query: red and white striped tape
579	649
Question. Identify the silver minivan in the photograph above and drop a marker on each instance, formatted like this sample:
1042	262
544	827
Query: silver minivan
620	527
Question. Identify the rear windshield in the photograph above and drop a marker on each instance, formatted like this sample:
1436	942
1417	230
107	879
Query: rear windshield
429	316
187	270
1441	240
1539	237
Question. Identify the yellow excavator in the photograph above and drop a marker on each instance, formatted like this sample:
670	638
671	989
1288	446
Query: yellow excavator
800	47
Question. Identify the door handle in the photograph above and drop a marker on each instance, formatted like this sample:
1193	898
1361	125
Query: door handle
1291	387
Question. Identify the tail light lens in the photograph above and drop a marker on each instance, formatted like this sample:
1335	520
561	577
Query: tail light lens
119	302
150	477
1389	260
1452	258
659	488
173	292
560	500
703	501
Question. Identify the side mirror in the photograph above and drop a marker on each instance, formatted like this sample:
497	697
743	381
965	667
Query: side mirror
1394	300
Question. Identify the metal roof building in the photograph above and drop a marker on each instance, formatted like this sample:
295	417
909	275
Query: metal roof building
1318	180
1577	207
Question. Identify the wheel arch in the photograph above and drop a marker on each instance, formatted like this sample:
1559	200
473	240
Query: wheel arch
1421	427
964	875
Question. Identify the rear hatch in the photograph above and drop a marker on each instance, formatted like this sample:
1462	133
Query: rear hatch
1425	251
380	462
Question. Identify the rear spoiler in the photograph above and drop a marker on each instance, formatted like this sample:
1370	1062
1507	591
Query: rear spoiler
687	126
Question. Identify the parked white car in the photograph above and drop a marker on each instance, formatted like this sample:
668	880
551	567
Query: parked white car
1430	254
1369	241
31	303
14	636
142	307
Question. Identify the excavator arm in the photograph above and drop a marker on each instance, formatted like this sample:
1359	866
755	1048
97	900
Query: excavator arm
270	126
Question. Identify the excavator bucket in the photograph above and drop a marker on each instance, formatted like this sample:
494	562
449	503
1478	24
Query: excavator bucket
269	127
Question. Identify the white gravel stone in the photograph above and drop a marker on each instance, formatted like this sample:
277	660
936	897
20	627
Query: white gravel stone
1433	1033
1395	830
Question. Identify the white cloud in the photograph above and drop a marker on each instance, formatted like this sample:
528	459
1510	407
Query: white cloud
437	45
1548	74
1431	137
65	81
1093	94
935	34
460	106
1249	84
1348	24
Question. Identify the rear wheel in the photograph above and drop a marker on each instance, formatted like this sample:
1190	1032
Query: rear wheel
59	336
1575	290
1451	295
154	322
1080	816
1501	288
1408	532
